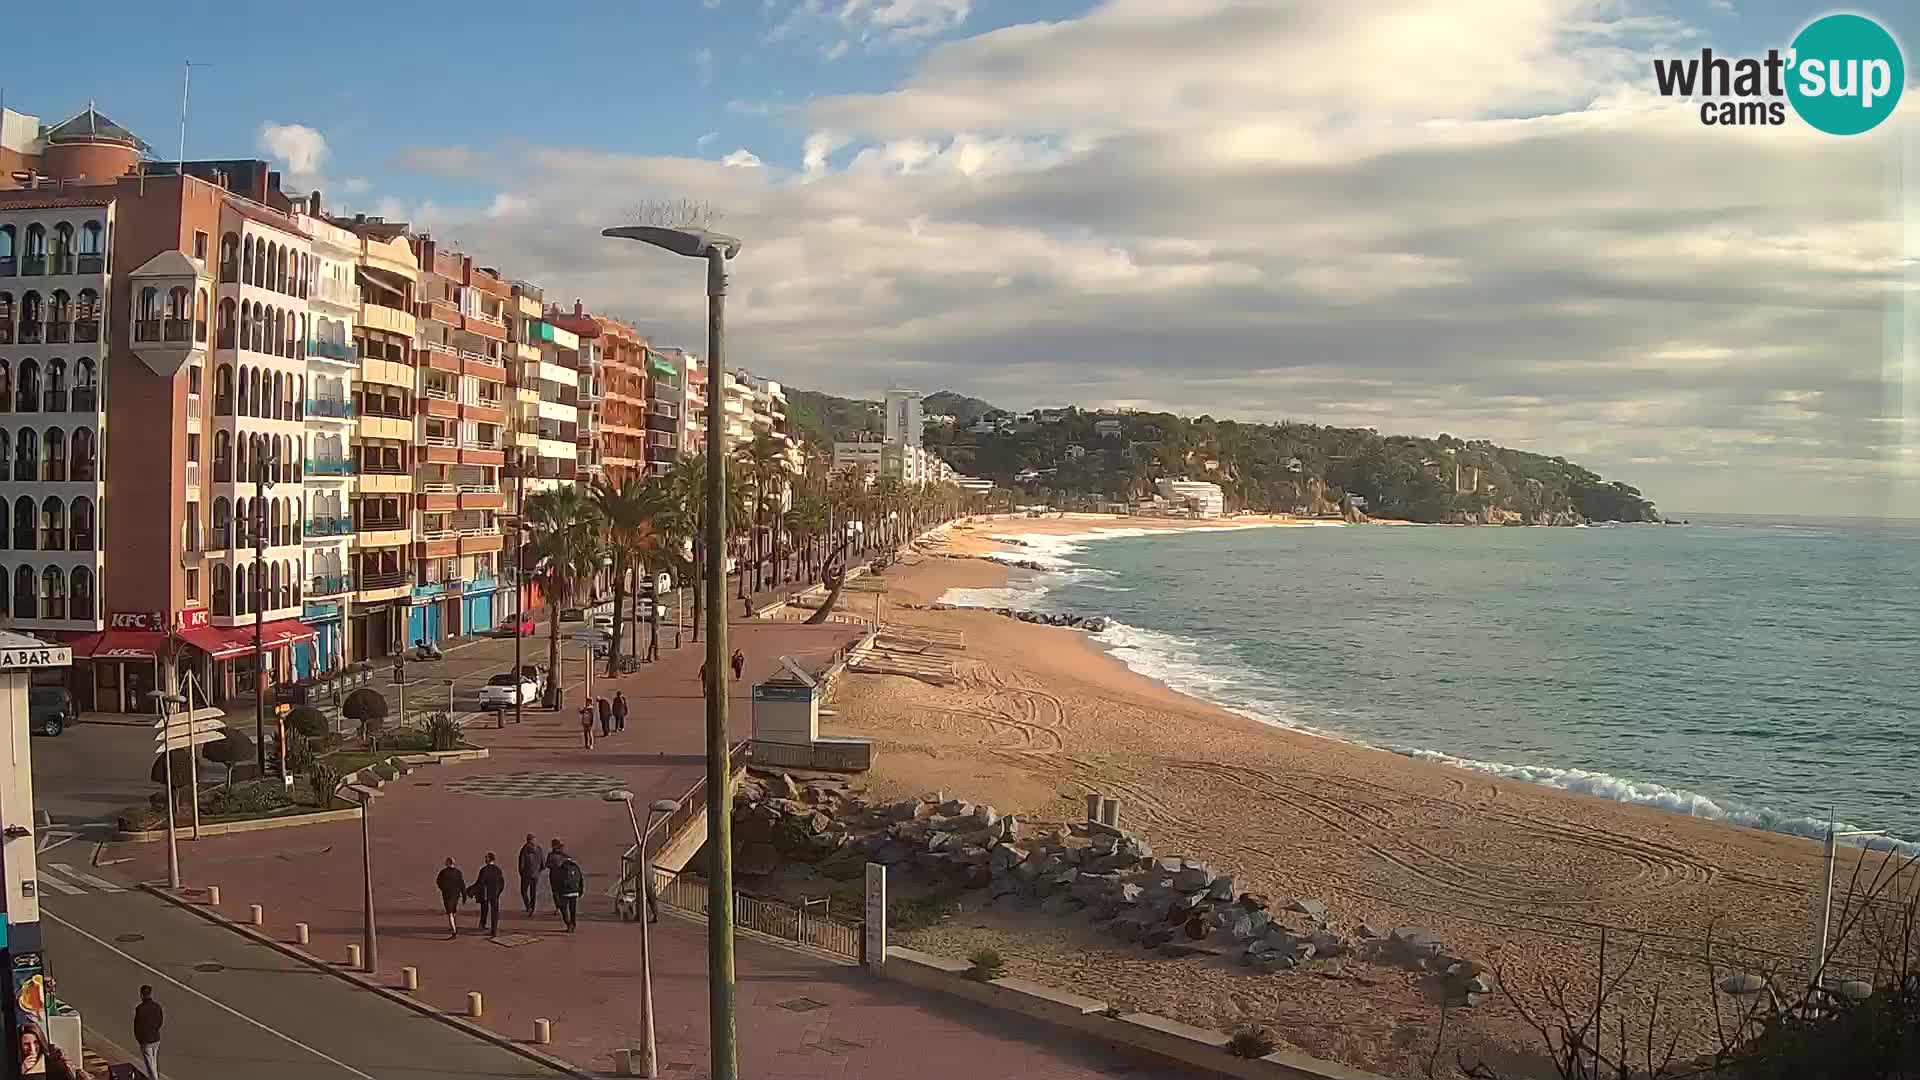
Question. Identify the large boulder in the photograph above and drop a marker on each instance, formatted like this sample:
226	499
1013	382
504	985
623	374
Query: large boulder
1193	876
1221	891
892	852
756	860
1312	909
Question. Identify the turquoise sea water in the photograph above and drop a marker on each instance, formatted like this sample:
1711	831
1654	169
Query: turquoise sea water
1765	671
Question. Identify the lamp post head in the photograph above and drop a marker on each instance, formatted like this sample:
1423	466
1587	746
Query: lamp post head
691	242
618	795
664	806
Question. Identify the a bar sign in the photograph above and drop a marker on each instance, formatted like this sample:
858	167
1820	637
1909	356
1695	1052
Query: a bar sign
41	657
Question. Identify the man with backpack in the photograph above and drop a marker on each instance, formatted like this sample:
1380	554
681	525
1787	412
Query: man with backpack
568	881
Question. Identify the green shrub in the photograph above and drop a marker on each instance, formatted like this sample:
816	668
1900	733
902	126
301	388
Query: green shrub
1251	1041
299	753
261	798
309	722
143	818
443	732
323	784
234	749
986	967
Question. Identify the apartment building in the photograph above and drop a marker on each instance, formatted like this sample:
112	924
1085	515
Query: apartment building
666	397
333	367
463	352
625	421
128	292
766	414
556	414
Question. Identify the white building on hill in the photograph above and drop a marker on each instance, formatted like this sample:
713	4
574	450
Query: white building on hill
1204	499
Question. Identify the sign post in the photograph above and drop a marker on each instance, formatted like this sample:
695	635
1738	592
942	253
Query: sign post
874	939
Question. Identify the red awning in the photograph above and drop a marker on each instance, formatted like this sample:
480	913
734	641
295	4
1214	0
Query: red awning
221	642
119	644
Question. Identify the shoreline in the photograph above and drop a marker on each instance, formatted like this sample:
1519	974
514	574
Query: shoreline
1509	872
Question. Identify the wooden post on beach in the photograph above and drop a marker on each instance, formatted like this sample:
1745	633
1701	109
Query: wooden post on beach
1110	813
1093	808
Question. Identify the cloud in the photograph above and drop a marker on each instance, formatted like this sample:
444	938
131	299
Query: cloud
1256	224
741	158
701	142
752	108
356	185
703	63
835	51
301	149
877	23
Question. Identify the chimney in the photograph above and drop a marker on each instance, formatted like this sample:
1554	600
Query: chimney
578	307
313	203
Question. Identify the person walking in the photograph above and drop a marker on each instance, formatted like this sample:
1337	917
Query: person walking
739	662
619	710
569	881
148	1018
451	883
532	859
606	717
488	884
556	857
586	725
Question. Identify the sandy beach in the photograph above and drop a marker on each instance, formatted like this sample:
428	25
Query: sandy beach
1518	876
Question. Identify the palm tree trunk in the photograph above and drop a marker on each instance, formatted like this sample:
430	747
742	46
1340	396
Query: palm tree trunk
699	588
554	675
619	621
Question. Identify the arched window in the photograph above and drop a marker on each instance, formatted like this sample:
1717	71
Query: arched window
53	593
259	335
56	394
222	457
249	391
6	318
289	585
83	455
224	330
223	379
26	396
33	316
86	317
243	460
277	396
242	523
86	387
91	237
222	590
35	256
146	315
285	282
246	261
62	260
222	519
82	526
240	590
26	519
279	347
82	605
200	317
274	524
53	524
59	317
246	326
230	258
26	585
7	253
26	454
56	456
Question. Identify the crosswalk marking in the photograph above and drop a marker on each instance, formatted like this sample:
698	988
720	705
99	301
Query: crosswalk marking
86	879
48	881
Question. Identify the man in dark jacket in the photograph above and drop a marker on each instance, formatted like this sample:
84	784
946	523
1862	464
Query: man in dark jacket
488	884
532	859
556	856
451	883
147	1019
606	717
568	881
619	710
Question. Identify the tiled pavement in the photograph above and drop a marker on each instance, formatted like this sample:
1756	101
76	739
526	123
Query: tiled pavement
799	1016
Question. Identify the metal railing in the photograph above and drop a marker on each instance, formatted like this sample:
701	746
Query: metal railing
439	440
86	330
340	525
337	408
437	488
441	393
329	584
771	917
339	466
369	582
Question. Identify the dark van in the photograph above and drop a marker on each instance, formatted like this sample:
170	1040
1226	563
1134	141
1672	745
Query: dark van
50	709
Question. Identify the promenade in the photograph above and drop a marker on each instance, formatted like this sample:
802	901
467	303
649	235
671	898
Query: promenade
800	1016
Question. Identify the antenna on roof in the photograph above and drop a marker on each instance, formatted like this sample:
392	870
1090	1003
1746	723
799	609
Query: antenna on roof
186	84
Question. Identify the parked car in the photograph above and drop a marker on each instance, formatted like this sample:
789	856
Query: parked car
507	629
506	690
50	709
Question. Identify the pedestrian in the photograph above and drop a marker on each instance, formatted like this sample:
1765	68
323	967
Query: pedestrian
556	858
619	710
531	858
586	725
488	884
739	662
147	1020
606	717
703	679
451	883
568	881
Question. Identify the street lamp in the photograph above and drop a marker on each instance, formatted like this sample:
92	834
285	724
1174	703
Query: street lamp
166	703
369	940
643	904
716	249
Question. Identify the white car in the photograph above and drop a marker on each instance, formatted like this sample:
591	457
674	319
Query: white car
603	622
506	690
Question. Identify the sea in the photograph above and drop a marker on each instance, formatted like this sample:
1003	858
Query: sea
1762	671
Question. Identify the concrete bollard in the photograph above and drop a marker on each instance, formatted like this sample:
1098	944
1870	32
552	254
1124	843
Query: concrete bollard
623	1062
353	957
1093	808
256	915
302	934
542	1032
1110	813
409	978
213	896
475	1007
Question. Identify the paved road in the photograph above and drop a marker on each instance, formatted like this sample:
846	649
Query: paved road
92	771
240	1011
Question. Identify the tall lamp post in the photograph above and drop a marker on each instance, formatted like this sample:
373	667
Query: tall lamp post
643	903
519	576
259	574
716	249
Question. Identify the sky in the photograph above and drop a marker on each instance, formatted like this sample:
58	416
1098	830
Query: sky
1469	216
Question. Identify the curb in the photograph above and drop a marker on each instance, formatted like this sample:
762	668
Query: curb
226	828
505	1042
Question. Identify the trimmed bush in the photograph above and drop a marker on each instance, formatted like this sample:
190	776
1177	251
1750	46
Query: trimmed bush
1251	1041
308	722
986	967
234	749
323	781
262	798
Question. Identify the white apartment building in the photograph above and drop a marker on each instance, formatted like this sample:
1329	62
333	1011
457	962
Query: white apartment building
905	422
1204	499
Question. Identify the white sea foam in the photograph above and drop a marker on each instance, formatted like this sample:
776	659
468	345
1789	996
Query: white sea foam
1208	672
1011	596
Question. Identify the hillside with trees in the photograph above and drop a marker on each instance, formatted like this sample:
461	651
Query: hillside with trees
1069	457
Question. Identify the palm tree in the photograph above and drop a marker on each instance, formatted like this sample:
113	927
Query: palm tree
625	509
565	546
687	492
764	462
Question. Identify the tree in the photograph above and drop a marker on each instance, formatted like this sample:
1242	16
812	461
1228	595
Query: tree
764	462
231	750
623	507
307	722
367	708
565	549
687	482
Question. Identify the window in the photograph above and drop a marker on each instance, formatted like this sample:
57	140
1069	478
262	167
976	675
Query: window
193	526
32	316
25	523
82	606
6	458
193	583
193	379
86	316
199	245
86	396
56	455
91	235
223	390
193	446
26	585
53	525
229	258
56	395
222	590
26	455
222	538
83	454
222	458
81	530
54	593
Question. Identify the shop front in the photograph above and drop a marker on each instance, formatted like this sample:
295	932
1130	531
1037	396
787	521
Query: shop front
325	653
374	629
479	607
115	670
232	662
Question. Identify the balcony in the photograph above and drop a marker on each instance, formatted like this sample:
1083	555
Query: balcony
87	330
9	266
86	399
33	265
60	263
333	408
59	333
93	264
391	579
331	351
54	400
448	441
30	332
330	466
329	585
337	525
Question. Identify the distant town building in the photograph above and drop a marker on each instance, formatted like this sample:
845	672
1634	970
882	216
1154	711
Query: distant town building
904	418
1202	498
1107	429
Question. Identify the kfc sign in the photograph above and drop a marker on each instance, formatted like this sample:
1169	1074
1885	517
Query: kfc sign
193	618
137	620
